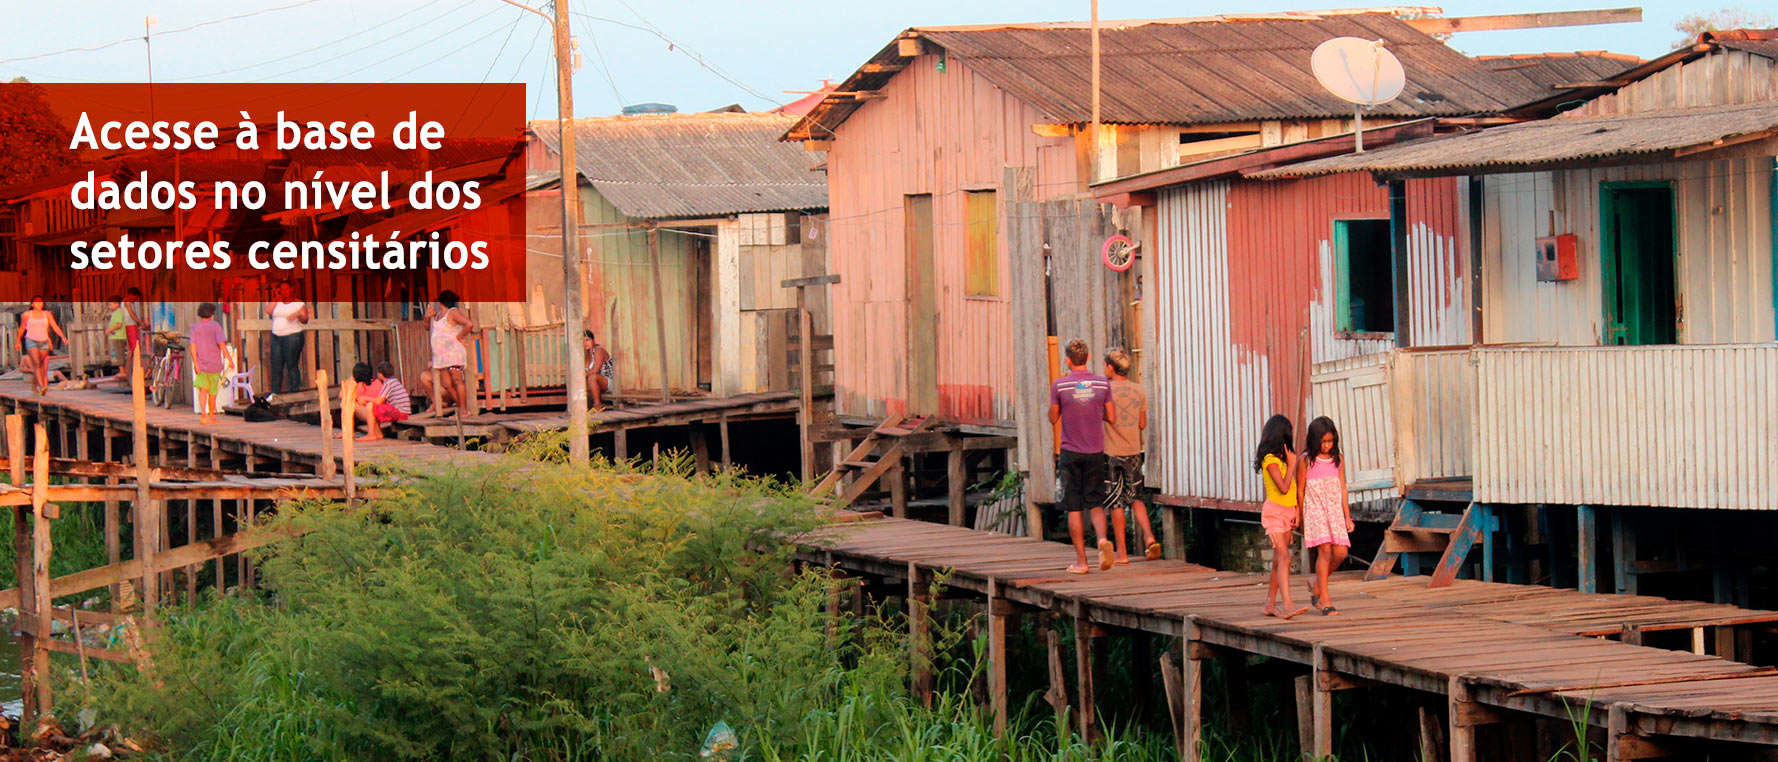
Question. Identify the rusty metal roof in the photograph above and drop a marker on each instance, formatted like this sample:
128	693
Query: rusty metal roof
1550	143
1190	71
693	165
1547	70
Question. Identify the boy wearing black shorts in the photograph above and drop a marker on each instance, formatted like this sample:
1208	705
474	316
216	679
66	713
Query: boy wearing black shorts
1123	455
1081	403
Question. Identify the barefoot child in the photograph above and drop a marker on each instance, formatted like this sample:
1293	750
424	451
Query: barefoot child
1123	455
389	404
1276	463
1327	519
208	344
1081	402
364	400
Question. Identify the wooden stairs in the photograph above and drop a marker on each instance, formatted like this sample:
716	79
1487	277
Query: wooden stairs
867	463
1416	533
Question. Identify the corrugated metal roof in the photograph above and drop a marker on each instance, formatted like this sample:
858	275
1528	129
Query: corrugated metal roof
693	165
1529	145
1192	71
1546	70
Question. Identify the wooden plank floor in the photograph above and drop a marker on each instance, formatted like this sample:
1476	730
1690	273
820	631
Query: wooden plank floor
665	412
283	440
1498	640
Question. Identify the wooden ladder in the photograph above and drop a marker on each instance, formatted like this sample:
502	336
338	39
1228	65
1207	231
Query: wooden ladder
865	464
1417	531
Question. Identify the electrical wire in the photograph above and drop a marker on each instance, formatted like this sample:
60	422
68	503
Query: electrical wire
134	38
694	55
600	54
329	43
484	80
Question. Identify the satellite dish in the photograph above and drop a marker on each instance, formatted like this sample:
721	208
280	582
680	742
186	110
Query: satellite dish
1357	70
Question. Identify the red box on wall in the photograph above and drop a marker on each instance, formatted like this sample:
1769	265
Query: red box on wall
1556	260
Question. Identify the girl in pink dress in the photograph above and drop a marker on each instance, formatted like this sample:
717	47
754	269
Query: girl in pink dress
1327	519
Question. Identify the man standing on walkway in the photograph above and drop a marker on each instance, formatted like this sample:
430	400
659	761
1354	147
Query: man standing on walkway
1081	402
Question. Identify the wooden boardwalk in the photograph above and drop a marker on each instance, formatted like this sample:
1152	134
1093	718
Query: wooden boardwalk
1497	653
284	446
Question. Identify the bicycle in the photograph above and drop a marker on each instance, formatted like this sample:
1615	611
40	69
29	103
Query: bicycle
167	373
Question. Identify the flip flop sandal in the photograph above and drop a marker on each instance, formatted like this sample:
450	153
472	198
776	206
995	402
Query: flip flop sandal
1153	552
1330	611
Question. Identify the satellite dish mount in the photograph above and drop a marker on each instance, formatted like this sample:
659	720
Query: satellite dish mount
1360	71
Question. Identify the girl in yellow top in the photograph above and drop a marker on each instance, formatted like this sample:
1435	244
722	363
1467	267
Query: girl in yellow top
1276	462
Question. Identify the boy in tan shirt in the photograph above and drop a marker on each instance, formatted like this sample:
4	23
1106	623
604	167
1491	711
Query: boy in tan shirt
1123	454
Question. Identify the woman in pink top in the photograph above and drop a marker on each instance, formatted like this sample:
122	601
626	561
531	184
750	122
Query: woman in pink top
34	342
1327	519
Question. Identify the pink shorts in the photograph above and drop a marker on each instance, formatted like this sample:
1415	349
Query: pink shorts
1275	518
387	413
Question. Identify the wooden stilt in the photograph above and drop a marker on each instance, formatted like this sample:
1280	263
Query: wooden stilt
1321	706
42	547
22	550
1191	694
722	429
700	447
143	516
999	609
1432	741
919	602
1623	552
620	445
956	483
1304	689
1462	732
1587	528
1085	632
113	546
321	392
1622	743
349	434
898	490
1173	533
836	580
216	527
191	527
1057	695
1725	642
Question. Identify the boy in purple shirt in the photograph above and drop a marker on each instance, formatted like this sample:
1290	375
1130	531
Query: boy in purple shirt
207	343
1081	402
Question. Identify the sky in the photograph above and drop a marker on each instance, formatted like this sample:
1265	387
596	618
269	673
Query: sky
694	54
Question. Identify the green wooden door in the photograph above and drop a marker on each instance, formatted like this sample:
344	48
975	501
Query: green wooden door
1637	248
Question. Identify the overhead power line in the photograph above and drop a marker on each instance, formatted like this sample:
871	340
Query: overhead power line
137	37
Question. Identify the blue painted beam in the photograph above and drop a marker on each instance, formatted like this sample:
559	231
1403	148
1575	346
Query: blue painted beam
1469	531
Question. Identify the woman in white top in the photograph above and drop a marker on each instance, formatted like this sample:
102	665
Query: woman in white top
288	318
450	330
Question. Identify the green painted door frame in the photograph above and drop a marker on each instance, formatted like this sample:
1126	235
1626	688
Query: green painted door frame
1634	313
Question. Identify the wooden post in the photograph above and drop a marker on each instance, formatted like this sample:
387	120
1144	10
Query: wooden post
327	464
349	432
1085	632
1304	686
955	479
216	526
700	447
998	611
1588	552
660	319
805	410
1172	532
1191	695
898	491
1236	696
143	514
1623	552
1057	695
22	551
1462	732
620	444
836	578
1321	709
42	546
573	322
722	428
1432	744
919	601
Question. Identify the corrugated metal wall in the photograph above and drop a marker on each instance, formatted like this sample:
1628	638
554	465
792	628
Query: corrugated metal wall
619	297
1656	426
1725	251
1244	307
1435	398
939	133
1356	394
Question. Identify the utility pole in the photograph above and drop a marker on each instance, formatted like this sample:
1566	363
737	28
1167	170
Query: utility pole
1093	164
572	322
